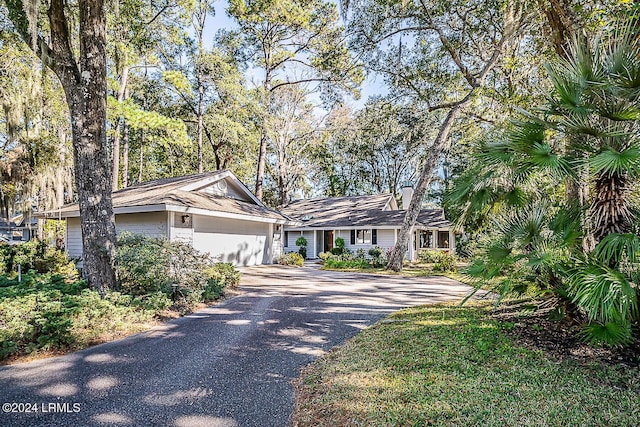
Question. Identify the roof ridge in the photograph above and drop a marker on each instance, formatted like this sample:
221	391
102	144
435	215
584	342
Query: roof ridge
360	196
171	180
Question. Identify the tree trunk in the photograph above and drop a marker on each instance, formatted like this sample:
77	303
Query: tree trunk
262	153
440	146
262	159
200	126
564	24
125	155
115	149
85	86
512	20
141	158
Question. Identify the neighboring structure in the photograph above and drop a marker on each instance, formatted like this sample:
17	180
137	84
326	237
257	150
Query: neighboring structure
364	222
213	211
19	229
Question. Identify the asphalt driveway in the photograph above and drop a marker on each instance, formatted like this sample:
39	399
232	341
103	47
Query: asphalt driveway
228	365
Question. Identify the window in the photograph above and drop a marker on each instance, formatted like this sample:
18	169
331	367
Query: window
443	239
364	237
426	239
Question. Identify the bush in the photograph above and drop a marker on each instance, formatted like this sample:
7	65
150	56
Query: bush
339	248
36	255
355	263
302	243
375	252
441	260
46	313
149	265
324	255
291	258
379	257
428	255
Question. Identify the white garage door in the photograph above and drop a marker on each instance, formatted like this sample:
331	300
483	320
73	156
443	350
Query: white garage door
230	240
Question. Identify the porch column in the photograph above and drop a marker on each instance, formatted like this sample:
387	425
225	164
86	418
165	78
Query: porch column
434	239
452	242
270	242
412	241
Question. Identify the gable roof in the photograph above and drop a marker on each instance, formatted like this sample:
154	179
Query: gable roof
358	211
181	194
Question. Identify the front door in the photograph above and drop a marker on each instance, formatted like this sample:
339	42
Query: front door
328	240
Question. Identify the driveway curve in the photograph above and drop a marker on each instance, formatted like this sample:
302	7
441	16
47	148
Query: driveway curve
227	365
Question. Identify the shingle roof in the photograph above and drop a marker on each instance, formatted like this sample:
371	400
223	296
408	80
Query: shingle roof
357	211
167	191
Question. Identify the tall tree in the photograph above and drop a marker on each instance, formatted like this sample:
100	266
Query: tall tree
454	47
83	78
296	34
292	130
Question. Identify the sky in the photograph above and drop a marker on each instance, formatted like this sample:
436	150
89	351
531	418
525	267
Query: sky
373	85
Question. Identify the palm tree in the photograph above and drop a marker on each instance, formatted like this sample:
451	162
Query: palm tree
588	136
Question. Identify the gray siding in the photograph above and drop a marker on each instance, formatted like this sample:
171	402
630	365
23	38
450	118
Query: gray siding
151	224
311	247
386	240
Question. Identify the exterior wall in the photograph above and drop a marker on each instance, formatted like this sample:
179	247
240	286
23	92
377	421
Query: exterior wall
311	246
230	240
74	238
151	224
386	239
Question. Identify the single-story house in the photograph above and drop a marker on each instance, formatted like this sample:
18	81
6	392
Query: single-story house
213	211
364	222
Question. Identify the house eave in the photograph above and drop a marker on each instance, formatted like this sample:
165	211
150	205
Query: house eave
172	208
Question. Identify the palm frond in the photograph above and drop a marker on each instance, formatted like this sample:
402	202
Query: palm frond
612	162
603	293
618	247
610	333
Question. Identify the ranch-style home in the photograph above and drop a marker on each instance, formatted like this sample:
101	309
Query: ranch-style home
216	213
213	211
364	222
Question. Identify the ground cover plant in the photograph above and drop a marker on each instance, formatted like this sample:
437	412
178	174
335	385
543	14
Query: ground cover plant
451	365
51	310
291	258
341	258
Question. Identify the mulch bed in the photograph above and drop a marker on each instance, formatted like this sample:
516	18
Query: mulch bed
559	338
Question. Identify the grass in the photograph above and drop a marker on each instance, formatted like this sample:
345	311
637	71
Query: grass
410	270
450	365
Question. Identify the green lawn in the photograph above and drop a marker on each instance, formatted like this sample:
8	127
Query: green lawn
446	365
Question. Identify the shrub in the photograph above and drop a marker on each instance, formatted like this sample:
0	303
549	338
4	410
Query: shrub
302	243
379	257
375	252
36	255
428	255
339	247
360	254
149	265
355	263
225	273
324	255
291	258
